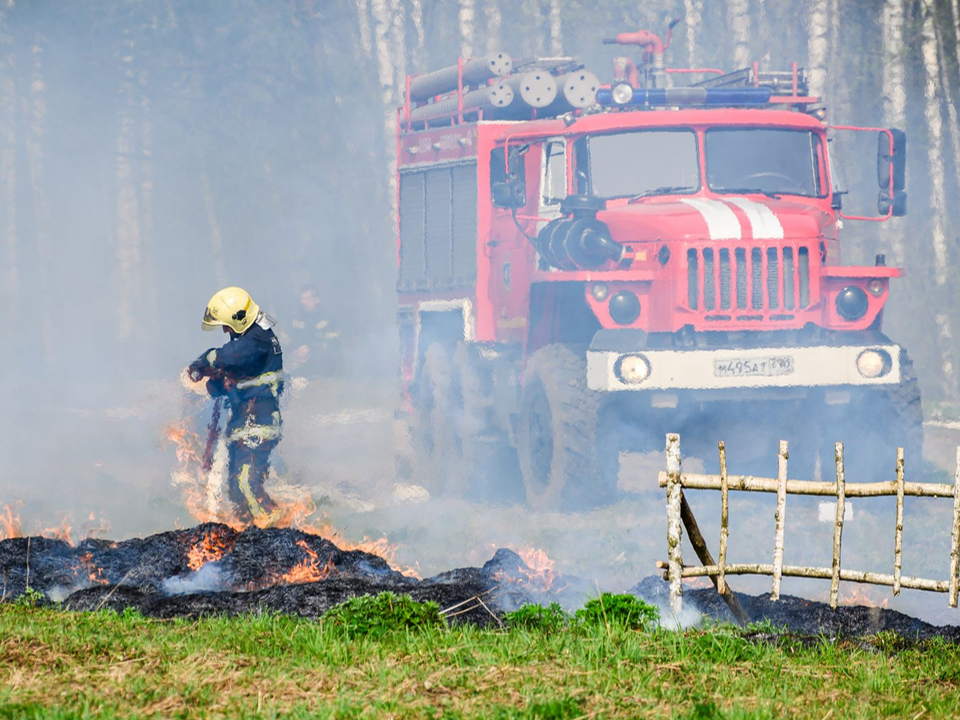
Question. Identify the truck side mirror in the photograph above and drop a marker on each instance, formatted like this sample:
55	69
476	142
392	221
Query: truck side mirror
892	166
508	194
508	185
891	173
897	203
895	163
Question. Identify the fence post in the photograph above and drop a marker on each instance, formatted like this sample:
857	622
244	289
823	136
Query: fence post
838	525
898	542
955	536
674	523
783	455
724	520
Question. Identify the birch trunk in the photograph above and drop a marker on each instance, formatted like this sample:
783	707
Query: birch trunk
363	25
416	18
738	20
952	114
935	171
817	46
466	20
693	10
36	122
127	205
894	99
146	189
556	29
216	236
493	21
387	72
8	171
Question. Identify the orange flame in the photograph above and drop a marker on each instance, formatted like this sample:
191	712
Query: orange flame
96	528
94	573
60	532
862	595
295	509
541	573
307	570
10	525
210	549
187	444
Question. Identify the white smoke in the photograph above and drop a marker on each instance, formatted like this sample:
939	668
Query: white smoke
206	579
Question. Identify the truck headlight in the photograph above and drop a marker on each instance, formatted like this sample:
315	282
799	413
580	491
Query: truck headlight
632	369
624	307
852	303
873	363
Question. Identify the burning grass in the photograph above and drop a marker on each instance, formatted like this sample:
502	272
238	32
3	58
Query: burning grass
65	664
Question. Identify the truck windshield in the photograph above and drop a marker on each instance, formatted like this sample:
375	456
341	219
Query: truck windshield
770	161
647	162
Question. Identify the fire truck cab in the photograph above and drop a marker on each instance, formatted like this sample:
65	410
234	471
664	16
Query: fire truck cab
658	259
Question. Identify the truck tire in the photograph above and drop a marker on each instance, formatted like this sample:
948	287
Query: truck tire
435	440
488	462
557	432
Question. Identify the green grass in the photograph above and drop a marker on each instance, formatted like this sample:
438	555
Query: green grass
56	664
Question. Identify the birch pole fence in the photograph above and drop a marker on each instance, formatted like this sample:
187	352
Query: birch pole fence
679	515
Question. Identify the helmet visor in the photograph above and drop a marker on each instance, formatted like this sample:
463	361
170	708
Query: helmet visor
209	321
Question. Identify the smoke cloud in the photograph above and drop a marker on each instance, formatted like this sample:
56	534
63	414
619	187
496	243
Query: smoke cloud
153	153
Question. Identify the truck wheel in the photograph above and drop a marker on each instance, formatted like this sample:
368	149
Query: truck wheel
557	433
488	462
436	455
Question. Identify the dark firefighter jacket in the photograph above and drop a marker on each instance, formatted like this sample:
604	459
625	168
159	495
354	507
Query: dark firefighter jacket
248	371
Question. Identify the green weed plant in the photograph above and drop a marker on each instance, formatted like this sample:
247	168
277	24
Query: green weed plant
378	615
622	610
550	618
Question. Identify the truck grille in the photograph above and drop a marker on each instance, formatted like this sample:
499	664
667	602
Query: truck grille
749	283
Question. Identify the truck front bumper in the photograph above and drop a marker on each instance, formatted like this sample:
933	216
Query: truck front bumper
738	368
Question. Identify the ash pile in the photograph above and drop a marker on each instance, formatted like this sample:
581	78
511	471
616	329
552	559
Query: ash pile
798	615
213	569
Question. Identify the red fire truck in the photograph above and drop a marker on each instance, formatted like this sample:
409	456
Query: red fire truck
587	266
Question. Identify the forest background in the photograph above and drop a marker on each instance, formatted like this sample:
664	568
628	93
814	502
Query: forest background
152	151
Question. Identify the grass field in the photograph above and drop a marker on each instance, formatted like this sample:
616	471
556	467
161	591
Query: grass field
56	664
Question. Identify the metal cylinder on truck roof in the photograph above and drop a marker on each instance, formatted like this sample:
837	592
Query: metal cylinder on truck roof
575	91
475	71
495	97
536	88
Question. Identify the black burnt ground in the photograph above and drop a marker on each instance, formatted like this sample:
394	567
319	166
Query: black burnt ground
213	569
800	616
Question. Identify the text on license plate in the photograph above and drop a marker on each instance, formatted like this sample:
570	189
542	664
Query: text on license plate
754	367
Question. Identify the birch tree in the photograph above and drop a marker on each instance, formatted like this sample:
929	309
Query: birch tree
8	167
738	20
817	46
466	20
36	121
894	94
693	16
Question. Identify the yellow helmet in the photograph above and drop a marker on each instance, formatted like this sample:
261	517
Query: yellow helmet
232	307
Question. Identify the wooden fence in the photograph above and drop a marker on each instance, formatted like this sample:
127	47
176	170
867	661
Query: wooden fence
679	515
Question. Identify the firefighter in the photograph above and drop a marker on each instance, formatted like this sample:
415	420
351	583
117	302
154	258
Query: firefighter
248	371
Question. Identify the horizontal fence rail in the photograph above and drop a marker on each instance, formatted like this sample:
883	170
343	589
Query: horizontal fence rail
675	481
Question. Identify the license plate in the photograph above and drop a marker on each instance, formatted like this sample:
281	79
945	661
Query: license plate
754	367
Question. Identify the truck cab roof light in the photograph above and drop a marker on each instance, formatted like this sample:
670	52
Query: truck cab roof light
616	96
